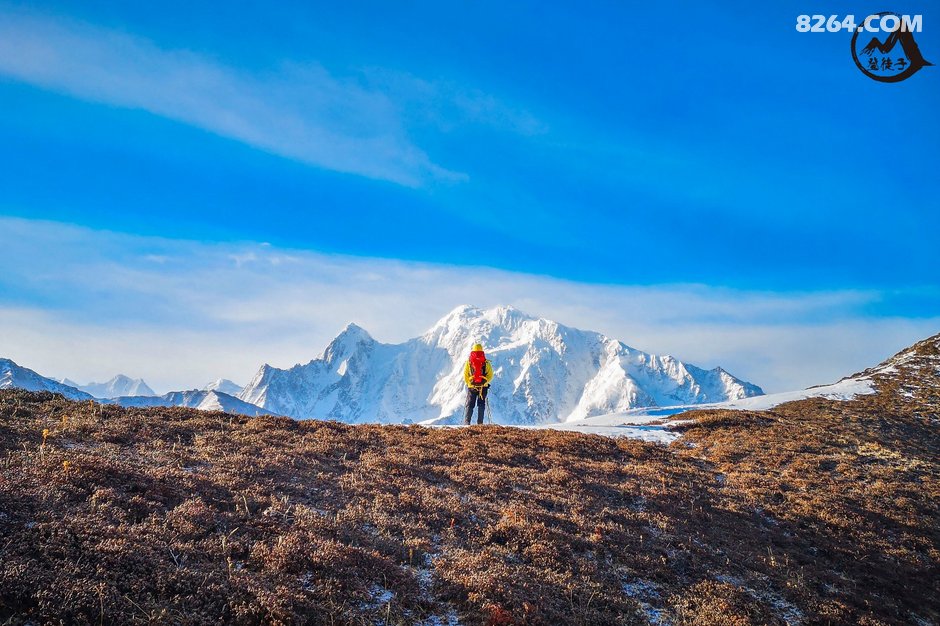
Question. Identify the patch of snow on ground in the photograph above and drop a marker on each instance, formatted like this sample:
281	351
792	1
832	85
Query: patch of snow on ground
620	425
450	619
787	611
642	423
380	596
645	592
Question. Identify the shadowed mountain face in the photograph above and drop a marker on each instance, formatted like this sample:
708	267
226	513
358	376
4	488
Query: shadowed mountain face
545	372
819	512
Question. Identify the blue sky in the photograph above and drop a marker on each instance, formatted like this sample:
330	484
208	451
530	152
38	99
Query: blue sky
618	146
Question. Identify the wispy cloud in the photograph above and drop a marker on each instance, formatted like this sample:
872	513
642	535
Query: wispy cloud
87	304
298	110
446	104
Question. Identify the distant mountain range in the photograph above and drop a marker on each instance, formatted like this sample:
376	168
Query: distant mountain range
545	372
118	386
202	399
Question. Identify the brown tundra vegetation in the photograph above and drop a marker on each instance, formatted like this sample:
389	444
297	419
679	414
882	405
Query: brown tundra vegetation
814	512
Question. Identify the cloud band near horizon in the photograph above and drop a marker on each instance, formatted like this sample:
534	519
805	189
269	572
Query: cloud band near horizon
88	304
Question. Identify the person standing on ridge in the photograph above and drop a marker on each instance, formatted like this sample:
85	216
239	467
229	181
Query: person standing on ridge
477	373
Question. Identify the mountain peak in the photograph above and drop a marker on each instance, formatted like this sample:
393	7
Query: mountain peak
346	343
462	310
467	324
224	385
459	315
119	386
353	327
507	314
352	332
498	315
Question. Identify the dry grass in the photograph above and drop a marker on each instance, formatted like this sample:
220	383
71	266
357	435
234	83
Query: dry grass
815	512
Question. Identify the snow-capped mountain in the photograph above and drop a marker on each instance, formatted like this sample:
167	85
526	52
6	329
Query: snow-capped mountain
194	399
15	376
225	386
117	387
545	372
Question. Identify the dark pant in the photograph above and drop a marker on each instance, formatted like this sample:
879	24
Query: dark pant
478	397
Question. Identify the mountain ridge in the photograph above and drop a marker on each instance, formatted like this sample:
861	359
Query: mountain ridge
202	399
545	372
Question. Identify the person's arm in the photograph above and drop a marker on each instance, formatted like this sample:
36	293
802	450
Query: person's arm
467	374
488	372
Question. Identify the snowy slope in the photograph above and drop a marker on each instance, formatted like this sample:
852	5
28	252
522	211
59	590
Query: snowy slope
225	386
118	386
15	376
636	423
545	373
845	389
195	399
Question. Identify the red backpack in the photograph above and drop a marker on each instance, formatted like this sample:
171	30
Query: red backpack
477	366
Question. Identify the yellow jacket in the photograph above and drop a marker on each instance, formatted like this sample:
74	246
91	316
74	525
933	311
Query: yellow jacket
468	373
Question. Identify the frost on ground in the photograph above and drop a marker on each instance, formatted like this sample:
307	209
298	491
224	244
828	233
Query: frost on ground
646	593
378	596
450	619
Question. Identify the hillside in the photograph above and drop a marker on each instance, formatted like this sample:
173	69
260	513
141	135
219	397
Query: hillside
545	373
817	511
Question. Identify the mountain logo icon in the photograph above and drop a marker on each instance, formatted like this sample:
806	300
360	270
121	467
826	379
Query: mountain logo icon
896	58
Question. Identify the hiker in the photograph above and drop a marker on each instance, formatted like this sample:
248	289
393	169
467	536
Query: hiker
477	373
